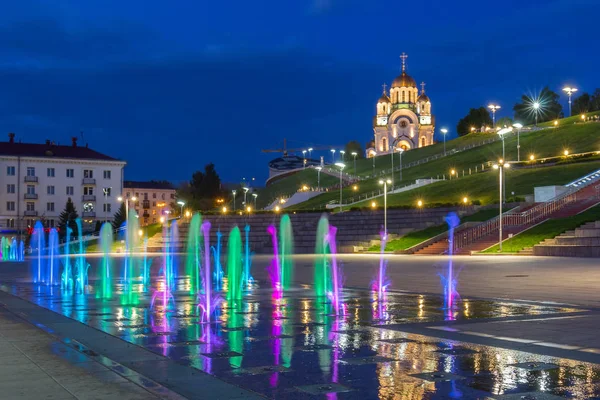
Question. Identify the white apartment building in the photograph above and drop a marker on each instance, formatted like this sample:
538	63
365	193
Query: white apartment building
37	179
153	199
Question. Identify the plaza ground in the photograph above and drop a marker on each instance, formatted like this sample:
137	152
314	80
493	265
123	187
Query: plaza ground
546	310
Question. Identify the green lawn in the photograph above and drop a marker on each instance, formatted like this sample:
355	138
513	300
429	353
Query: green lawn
546	230
568	120
149	231
288	186
413	238
575	138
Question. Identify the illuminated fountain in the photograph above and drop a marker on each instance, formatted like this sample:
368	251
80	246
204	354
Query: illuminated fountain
248	280
207	301
66	277
234	268
381	283
322	278
38	244
165	287
335	294
11	250
81	265
281	267
53	261
147	263
218	274
104	291
131	243
449	280
193	252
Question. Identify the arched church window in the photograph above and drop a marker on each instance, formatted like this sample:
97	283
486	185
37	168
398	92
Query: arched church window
403	96
383	144
423	142
403	124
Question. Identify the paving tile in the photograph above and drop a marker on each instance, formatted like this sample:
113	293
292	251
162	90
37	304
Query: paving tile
35	388
92	389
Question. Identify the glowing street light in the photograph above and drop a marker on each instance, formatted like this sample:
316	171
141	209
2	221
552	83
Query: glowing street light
518	126
531	157
233	192
502	133
501	166
566	153
304	156
373	154
245	189
319	168
224	209
569	91
181	204
277	208
444	131
310	149
342	155
354	154
341	166
465	200
255	195
494	108
536	109
400	151
420	203
385	182
332	156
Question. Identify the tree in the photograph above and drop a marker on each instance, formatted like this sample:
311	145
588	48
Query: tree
120	217
582	104
476	118
354	147
67	219
504	122
203	189
549	107
595	101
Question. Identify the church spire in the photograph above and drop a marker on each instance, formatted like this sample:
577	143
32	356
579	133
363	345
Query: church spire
403	56
384	86
422	87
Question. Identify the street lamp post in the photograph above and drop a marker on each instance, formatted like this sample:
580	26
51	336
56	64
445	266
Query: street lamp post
310	149
444	131
494	107
106	192
500	166
319	178
400	151
392	154
332	156
373	154
255	195
385	182
245	194
536	107
126	200
518	126
354	154
303	156
181	204
342	155
570	91
502	133
234	193
341	165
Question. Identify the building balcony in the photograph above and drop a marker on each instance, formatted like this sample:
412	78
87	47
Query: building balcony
30	213
146	204
146	215
31	179
89	214
89	181
88	197
31	196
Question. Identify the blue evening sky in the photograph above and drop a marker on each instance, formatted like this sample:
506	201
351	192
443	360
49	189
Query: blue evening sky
169	86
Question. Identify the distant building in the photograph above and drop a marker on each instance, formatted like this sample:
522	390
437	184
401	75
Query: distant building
403	119
37	179
153	199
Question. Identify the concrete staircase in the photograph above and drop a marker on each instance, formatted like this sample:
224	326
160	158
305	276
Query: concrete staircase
581	242
356	229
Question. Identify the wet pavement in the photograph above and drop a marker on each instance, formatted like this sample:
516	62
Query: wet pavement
298	348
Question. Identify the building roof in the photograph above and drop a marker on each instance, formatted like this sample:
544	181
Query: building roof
162	185
404	80
51	150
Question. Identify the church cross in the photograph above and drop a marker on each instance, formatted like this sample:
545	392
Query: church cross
384	87
403	56
423	87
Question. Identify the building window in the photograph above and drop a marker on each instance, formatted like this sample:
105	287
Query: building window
88	190
88	173
10	223
153	204
50	223
10	206
137	195
70	173
10	171
127	194
403	96
162	196
107	174
50	190
29	222
50	172
153	220
153	195
107	208
106	191
145	196
153	212
69	190
30	206
30	189
172	195
10	188
30	171
383	144
49	206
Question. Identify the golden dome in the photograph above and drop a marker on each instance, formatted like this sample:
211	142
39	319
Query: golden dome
423	97
404	80
384	99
